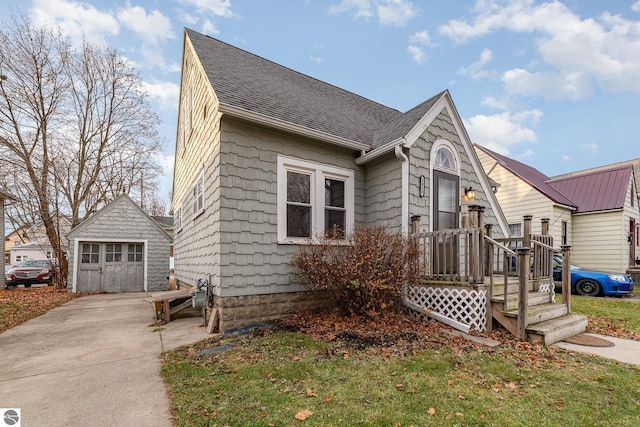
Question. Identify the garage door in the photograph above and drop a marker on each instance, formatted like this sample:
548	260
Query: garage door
111	267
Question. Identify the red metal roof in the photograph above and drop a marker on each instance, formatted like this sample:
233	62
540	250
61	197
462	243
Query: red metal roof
530	175
600	189
596	191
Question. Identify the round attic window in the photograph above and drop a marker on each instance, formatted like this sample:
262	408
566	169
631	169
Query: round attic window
445	160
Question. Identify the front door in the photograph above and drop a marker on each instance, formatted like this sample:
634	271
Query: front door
446	204
445	214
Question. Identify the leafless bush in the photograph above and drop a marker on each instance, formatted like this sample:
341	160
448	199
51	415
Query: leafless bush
363	273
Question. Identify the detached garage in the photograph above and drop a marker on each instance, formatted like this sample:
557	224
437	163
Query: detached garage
119	249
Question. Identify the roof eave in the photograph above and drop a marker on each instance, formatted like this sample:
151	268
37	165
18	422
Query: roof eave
379	152
272	122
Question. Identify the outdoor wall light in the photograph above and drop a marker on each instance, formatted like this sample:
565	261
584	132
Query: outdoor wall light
422	185
470	193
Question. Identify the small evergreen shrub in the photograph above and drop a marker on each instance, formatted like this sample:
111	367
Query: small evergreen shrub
363	273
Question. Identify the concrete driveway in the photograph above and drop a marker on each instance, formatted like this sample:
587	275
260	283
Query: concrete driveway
93	361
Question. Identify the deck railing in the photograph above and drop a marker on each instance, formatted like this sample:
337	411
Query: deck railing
453	256
467	257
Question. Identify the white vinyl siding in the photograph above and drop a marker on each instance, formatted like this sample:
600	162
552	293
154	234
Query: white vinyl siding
598	241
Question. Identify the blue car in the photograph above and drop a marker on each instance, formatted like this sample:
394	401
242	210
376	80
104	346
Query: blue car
594	283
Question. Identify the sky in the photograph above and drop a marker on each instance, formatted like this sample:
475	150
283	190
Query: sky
553	84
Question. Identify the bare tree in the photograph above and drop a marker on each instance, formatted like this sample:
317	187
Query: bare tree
75	124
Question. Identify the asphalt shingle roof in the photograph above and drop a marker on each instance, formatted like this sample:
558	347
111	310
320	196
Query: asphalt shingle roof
244	80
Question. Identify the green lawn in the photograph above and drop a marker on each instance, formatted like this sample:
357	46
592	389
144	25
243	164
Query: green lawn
610	316
281	378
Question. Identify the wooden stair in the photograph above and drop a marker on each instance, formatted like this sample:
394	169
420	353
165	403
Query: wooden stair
547	322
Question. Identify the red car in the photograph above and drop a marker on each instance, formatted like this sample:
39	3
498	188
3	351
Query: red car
29	272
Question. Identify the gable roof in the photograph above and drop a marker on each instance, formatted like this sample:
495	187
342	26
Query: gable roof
531	176
634	162
600	190
122	198
247	83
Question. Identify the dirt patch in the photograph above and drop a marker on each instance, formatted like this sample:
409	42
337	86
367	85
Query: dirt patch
589	341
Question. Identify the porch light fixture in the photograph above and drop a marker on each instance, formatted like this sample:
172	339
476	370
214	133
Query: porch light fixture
422	185
470	193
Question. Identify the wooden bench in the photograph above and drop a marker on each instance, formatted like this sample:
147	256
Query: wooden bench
162	303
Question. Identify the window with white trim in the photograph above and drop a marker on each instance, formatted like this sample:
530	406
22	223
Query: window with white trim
516	229
198	195
312	199
177	218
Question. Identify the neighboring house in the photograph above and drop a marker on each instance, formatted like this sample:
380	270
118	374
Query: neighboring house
15	238
31	242
266	158
596	211
4	197
20	253
166	222
118	249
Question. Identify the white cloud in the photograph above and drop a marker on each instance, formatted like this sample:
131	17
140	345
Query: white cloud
388	12
208	27
636	6
76	19
499	132
396	12
591	148
417	54
422	38
551	85
164	93
153	28
579	53
220	8
166	162
476	70
362	7
417	42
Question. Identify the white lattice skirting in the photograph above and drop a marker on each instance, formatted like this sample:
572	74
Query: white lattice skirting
463	305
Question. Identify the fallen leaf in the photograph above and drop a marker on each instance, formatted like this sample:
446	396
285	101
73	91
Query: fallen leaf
400	386
303	414
328	399
311	393
459	414
431	411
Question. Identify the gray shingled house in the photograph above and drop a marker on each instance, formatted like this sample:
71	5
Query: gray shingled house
267	157
118	249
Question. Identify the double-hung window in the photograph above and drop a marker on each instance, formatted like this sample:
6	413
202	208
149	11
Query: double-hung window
313	199
198	195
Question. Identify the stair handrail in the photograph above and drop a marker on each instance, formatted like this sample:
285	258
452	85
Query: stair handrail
523	292
506	252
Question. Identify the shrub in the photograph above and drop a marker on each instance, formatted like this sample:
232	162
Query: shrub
363	273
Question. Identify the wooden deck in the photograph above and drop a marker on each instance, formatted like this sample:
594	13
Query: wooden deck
472	280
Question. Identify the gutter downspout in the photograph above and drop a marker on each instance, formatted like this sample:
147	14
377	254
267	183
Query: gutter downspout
404	223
